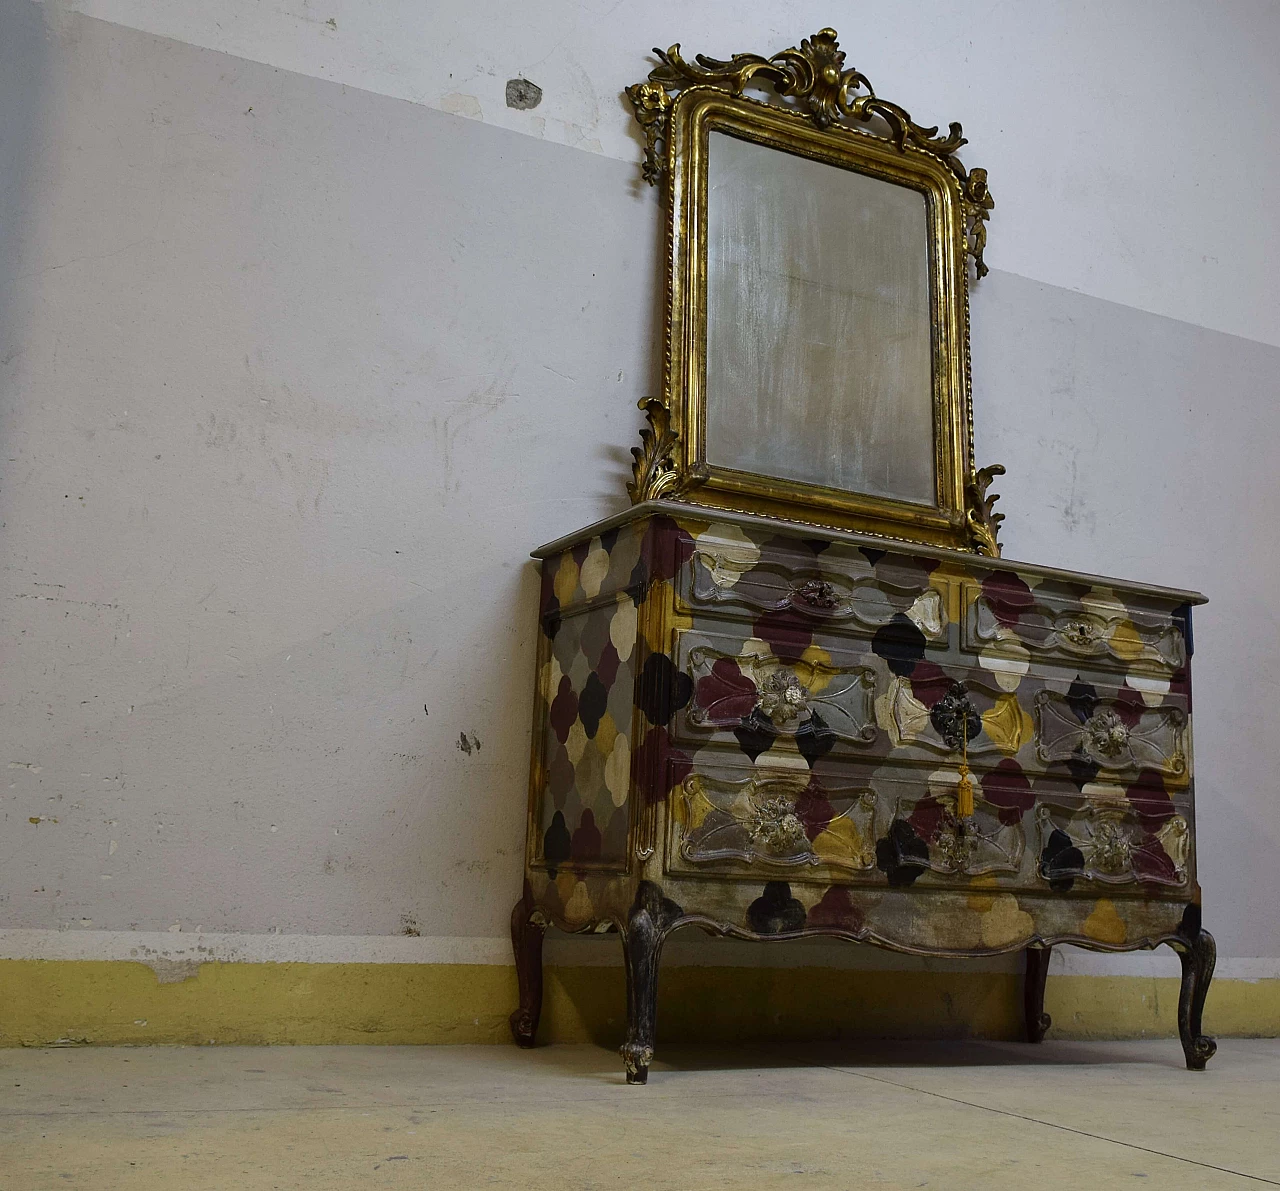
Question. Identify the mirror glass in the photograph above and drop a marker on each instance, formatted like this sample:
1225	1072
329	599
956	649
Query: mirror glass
819	358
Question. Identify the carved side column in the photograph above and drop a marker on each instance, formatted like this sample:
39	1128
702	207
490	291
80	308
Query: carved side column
527	931
1037	1020
651	918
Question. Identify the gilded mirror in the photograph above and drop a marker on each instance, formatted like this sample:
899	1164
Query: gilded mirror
816	362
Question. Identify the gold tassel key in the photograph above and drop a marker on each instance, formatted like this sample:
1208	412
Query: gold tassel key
964	787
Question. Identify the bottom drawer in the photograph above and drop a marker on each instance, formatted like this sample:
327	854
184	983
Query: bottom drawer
1110	844
898	827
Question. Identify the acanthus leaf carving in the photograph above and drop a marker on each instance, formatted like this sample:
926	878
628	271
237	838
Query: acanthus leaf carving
977	205
653	470
650	102
983	522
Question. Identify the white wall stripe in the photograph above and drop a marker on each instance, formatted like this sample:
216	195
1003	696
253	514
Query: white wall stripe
146	946
161	949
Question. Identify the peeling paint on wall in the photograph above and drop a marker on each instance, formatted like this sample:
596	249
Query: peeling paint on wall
522	94
461	105
173	971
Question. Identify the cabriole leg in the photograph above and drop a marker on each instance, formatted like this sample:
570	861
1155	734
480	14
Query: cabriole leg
1198	953
650	920
1037	1020
527	931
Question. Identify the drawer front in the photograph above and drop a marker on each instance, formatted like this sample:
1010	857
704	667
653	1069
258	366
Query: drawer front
812	585
1073	625
1048	725
1041	839
1113	731
769	697
775	820
845	824
807	695
924	838
1114	842
892	828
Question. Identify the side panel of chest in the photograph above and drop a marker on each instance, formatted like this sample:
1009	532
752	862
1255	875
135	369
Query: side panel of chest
584	704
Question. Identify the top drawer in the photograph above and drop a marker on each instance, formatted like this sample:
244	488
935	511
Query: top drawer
1074	624
835	586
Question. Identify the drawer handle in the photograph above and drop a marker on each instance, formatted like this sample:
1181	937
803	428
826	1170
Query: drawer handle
817	593
957	721
956	718
1082	633
1106	733
783	697
1112	849
775	827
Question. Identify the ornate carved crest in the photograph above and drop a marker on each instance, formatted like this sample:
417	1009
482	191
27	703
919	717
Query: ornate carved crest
814	79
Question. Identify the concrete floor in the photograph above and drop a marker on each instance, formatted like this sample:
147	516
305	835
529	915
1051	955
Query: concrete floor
947	1115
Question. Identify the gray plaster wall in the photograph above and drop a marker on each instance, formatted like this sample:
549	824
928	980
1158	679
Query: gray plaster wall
1140	445
292	377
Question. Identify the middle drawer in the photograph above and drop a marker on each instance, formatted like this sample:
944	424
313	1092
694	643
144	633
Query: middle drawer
793	695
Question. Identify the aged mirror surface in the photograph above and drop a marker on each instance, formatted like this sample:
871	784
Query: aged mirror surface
819	355
819	246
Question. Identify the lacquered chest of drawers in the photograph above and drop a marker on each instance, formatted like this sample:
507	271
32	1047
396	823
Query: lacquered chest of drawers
772	730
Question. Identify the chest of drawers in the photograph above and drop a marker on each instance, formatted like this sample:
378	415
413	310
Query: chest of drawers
771	730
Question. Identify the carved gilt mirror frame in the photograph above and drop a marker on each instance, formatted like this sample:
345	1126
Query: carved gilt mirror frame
820	112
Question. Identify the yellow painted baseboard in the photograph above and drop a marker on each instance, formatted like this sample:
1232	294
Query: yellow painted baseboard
91	1002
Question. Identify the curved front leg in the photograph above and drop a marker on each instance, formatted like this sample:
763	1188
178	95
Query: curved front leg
1037	1020
527	931
1198	953
650	920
